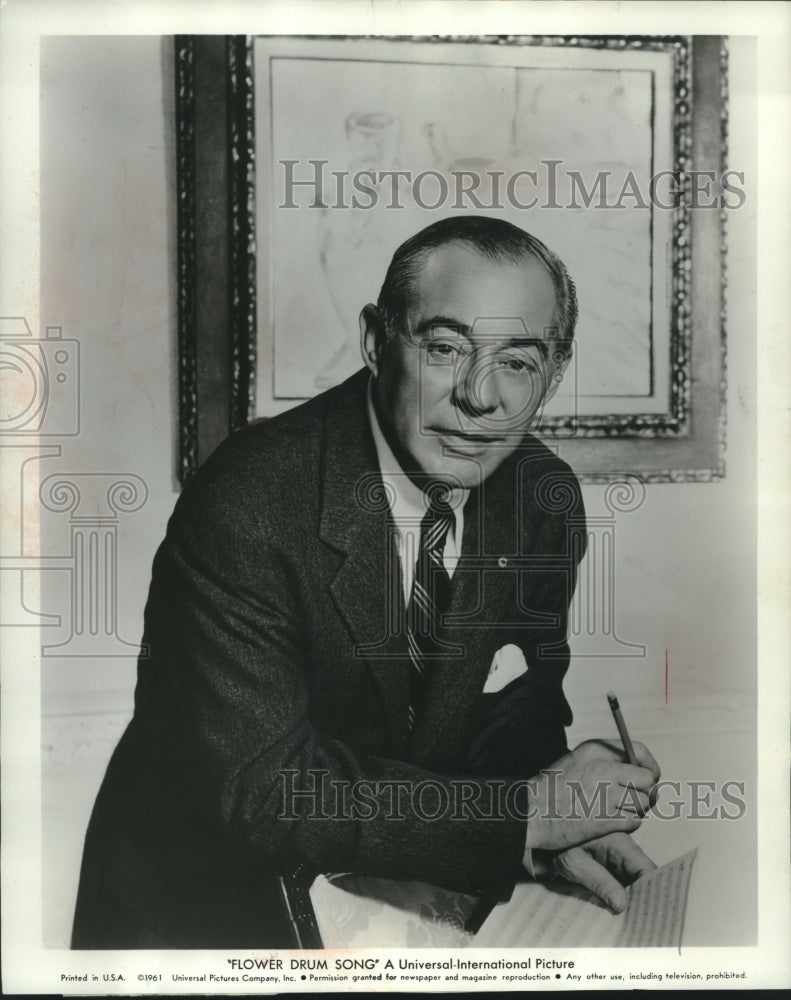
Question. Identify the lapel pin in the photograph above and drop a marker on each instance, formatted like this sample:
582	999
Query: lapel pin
502	562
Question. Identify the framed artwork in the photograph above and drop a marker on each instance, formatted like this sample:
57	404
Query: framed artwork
304	162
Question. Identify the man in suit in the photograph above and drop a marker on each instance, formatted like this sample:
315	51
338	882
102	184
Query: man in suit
357	632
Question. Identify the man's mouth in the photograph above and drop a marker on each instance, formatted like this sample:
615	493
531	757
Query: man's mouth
472	437
467	443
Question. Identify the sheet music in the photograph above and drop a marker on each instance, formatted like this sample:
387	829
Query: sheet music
563	915
353	911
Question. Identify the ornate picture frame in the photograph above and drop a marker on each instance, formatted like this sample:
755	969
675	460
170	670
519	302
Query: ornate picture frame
230	185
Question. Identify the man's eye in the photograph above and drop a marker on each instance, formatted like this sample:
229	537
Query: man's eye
518	365
441	350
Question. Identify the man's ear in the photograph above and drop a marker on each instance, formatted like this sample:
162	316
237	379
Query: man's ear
558	369
372	337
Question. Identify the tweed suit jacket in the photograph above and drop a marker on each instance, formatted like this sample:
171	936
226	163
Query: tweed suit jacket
277	663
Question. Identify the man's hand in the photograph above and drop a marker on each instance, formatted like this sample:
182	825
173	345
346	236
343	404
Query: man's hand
604	867
589	793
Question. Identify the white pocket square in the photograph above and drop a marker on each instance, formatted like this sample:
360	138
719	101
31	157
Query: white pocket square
508	663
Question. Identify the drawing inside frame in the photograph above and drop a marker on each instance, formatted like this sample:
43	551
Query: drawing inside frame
347	146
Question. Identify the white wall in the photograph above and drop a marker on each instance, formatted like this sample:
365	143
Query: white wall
685	560
108	250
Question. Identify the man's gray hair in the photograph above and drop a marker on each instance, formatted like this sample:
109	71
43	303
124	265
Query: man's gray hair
493	238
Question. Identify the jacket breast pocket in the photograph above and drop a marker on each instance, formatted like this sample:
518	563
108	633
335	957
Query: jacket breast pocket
508	663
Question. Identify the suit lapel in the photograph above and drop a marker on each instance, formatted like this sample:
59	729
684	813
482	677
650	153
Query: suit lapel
485	593
480	593
367	589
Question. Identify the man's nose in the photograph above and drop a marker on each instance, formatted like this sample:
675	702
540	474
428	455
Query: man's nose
475	388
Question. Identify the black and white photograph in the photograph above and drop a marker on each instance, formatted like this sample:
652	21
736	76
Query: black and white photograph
394	451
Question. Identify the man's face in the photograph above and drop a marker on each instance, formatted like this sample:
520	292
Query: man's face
458	387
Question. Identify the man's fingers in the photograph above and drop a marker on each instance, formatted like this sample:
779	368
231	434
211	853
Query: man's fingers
646	759
625	823
622	856
559	835
592	750
631	774
614	789
613	750
578	866
639	789
634	801
621	823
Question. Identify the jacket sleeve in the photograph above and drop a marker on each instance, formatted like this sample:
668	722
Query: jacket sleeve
227	670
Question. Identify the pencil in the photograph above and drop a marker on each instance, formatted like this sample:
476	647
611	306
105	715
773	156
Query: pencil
623	732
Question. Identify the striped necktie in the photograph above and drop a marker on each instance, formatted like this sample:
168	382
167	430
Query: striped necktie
429	600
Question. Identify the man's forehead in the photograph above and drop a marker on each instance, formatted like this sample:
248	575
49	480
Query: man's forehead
486	328
458	282
450	268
